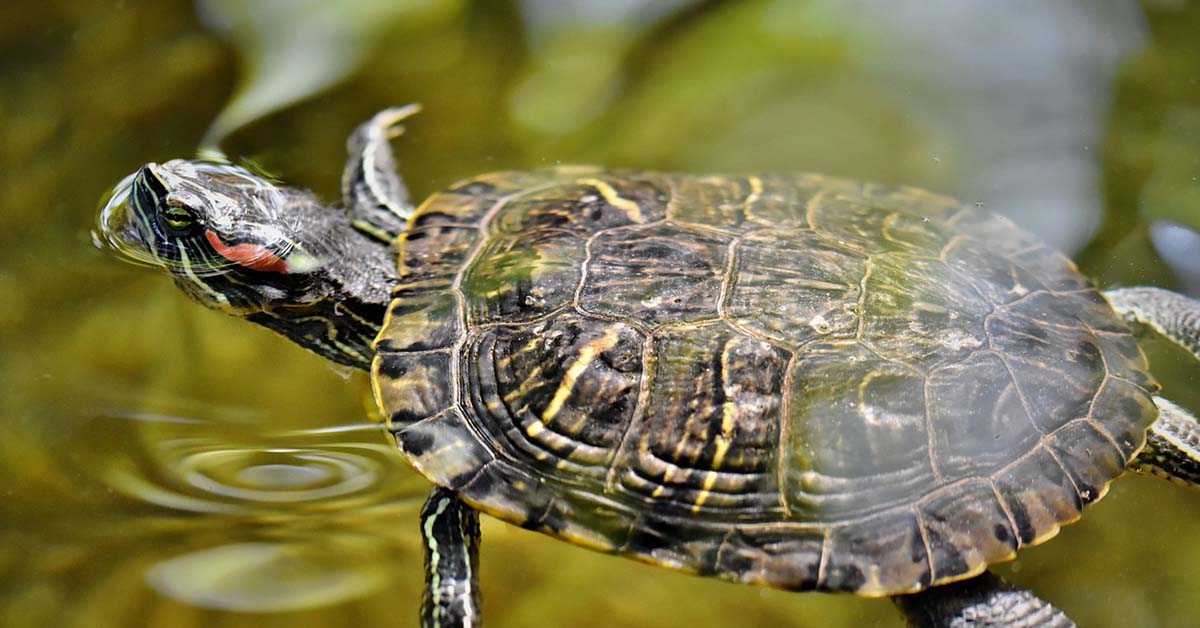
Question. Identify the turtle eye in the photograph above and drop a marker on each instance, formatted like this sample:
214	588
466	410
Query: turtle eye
178	218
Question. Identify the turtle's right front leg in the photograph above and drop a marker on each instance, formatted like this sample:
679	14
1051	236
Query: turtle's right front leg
450	532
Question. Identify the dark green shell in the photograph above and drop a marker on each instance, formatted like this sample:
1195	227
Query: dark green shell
798	381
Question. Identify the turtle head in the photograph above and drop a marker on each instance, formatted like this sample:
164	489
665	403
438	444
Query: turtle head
234	240
240	242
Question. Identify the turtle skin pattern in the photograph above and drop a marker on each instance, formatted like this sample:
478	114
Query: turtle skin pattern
798	381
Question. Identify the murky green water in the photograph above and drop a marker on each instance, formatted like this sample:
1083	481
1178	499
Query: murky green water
162	465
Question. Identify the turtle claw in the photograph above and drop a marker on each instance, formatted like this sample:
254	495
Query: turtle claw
391	118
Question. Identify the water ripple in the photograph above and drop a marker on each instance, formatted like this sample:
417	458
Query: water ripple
289	471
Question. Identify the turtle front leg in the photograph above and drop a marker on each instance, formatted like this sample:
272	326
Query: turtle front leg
984	601
1173	443
450	531
372	190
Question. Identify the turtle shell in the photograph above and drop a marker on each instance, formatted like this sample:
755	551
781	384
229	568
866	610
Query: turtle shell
792	380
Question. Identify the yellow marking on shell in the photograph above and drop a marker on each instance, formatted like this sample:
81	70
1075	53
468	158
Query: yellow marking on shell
710	479
723	441
577	169
377	392
535	428
525	386
383	330
492	294
725	438
728	410
810	209
756	190
586	356
529	346
868	414
553	212
823	564
445	453
631	208
955	241
861	303
889	223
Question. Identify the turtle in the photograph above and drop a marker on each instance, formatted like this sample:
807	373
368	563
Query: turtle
791	380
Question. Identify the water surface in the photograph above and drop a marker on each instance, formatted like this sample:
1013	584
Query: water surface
163	465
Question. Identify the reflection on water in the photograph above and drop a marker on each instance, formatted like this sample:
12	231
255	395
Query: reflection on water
219	515
265	577
293	48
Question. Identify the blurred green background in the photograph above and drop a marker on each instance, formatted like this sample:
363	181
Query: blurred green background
162	465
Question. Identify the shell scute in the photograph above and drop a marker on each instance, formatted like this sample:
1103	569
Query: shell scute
585	203
823	283
657	275
562	392
710	426
522	277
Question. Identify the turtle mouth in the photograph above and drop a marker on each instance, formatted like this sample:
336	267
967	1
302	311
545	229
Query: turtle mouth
123	228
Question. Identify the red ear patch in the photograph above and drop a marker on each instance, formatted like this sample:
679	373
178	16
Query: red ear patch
251	256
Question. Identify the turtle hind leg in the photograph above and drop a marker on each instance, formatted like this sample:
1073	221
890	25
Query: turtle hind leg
372	190
450	532
1173	443
984	601
1172	448
1173	315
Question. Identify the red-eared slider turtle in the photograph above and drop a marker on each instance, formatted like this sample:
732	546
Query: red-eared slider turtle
789	380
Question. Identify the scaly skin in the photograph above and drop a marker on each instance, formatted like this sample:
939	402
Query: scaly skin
984	601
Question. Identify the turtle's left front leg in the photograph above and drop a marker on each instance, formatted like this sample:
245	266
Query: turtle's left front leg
450	532
372	190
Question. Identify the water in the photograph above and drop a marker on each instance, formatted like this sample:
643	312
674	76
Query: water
163	465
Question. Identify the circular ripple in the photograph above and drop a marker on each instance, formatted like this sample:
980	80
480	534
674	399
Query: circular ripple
279	475
204	475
